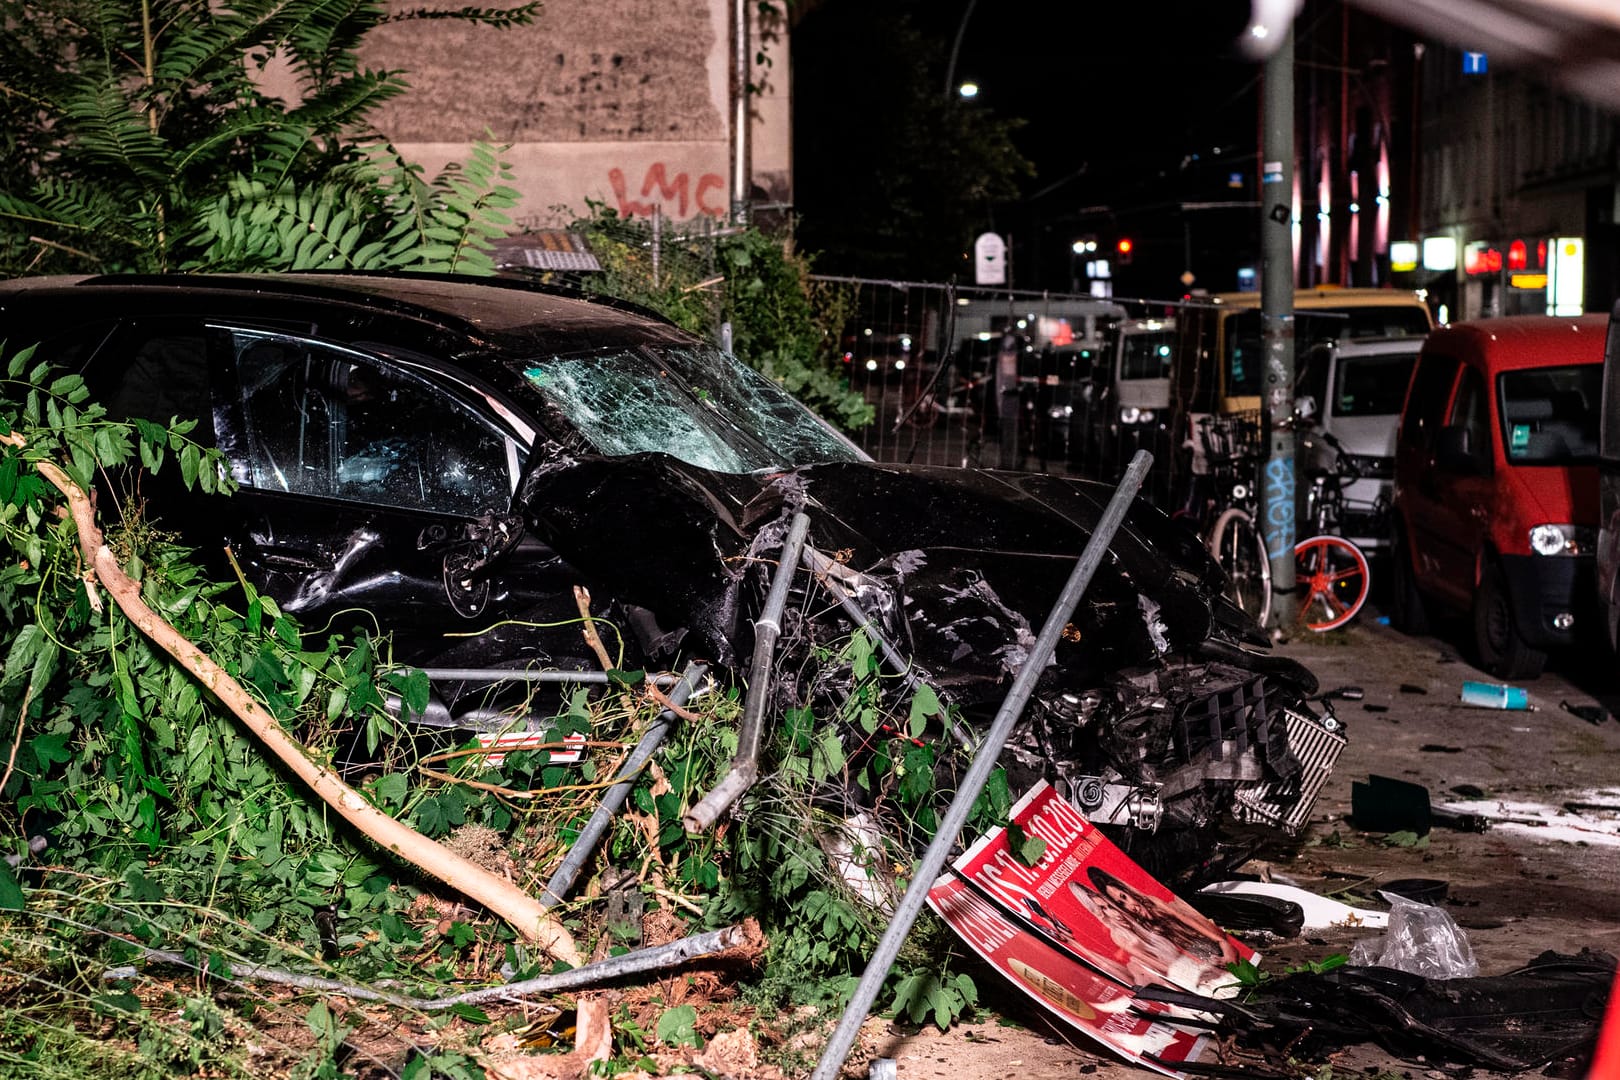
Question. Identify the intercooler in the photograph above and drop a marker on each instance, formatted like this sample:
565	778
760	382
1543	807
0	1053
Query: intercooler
1287	805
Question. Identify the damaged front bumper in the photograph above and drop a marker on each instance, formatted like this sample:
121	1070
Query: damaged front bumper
1158	714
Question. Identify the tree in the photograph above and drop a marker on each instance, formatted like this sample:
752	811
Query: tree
900	190
137	138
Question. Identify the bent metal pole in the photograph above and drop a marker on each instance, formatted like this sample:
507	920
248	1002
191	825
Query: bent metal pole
608	809
933	861
745	763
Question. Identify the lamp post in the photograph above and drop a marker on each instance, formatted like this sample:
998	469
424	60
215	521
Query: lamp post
956	47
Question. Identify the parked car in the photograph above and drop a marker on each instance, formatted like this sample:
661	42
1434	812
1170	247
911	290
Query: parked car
1608	547
1353	390
1496	484
451	457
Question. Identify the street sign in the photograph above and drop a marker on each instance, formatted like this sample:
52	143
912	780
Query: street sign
1475	63
990	259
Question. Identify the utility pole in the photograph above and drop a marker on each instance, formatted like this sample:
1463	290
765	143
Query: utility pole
741	178
1277	329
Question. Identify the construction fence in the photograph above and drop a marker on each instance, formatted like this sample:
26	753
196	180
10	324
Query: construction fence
996	378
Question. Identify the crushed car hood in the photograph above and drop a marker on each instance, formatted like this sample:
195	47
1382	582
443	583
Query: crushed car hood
961	566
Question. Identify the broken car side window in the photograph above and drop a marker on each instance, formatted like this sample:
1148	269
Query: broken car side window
325	421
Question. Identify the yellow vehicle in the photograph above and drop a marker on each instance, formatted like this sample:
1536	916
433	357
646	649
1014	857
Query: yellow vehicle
1220	358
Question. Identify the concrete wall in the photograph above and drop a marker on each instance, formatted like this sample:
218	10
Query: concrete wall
622	101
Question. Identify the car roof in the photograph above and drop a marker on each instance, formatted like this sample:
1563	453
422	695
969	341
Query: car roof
1329	297
1524	341
1396	346
491	314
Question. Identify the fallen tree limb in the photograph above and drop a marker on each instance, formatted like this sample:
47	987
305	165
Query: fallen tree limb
744	936
525	914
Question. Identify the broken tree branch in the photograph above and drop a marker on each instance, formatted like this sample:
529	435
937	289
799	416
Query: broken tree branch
745	935
582	597
526	915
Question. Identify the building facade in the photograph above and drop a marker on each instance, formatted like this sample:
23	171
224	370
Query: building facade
627	103
1519	193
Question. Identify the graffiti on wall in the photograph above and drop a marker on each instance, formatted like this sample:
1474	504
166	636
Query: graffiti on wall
680	196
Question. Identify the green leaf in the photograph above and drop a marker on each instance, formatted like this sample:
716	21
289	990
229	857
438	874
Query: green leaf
391	789
924	703
678	1027
11	894
1027	849
50	749
189	460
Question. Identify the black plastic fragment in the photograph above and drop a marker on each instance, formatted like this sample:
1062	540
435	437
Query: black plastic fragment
1592	714
1549	1010
1423	890
1250	913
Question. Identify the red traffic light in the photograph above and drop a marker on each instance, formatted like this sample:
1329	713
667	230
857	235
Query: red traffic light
1125	247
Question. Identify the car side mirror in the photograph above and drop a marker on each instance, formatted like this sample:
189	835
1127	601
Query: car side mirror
1455	450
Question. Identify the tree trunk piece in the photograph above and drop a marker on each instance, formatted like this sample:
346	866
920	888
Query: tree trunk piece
524	913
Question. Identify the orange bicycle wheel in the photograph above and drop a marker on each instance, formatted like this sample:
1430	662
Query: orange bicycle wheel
1333	579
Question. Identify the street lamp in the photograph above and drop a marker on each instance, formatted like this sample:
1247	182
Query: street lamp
968	90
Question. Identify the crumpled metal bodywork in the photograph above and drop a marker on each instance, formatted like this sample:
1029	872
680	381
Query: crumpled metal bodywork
1156	711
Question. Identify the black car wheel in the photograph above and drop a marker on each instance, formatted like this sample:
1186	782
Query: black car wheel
1502	651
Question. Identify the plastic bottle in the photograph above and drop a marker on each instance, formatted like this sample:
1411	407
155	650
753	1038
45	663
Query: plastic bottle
1495	696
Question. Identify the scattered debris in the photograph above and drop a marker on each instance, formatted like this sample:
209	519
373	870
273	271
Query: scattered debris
1421	939
1588	817
1384	804
1375	708
1546	1011
1243	913
1592	714
1438	748
1412	688
1319	912
1422	890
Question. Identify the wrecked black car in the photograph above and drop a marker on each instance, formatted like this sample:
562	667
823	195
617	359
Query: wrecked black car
454	457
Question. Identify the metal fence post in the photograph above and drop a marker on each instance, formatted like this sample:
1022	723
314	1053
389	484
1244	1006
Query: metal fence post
984	760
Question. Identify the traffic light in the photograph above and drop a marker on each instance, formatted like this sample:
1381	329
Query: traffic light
1125	247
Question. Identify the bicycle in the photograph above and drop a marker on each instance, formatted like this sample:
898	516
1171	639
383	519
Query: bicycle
1232	455
1331	570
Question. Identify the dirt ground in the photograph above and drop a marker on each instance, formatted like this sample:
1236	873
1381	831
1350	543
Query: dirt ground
1515	889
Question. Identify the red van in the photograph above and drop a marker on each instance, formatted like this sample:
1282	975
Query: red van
1496	491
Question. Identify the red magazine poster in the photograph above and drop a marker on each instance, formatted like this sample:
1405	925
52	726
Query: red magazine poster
1087	1001
1089	899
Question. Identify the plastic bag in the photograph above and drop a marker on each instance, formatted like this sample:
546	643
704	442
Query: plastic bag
1421	939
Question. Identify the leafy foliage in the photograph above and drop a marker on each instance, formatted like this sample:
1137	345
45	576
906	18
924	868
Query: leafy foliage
782	324
139	137
170	829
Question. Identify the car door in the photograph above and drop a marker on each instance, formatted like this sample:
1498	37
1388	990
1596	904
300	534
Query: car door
1459	517
374	494
1417	487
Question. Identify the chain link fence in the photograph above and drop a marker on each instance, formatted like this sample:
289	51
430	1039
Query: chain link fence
973	377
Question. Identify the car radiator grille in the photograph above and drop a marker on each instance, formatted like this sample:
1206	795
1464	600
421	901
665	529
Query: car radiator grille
1288	805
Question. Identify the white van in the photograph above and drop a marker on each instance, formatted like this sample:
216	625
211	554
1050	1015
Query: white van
1355	390
1143	351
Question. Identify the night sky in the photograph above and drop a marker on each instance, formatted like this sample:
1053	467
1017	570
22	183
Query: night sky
1124	106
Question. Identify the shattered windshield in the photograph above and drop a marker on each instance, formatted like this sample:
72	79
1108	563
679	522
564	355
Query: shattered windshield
693	403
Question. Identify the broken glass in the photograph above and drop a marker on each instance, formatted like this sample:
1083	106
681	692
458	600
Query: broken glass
693	403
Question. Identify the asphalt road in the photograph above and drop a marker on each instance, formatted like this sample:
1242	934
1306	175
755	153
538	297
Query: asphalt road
1517	889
